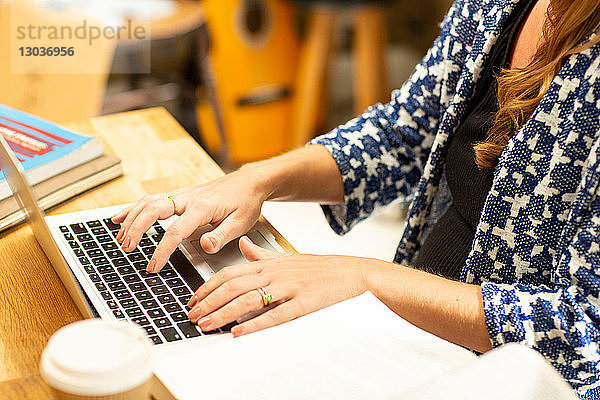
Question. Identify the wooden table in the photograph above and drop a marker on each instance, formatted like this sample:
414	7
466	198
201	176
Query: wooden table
157	156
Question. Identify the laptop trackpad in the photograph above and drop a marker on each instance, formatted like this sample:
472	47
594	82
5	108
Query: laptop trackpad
228	255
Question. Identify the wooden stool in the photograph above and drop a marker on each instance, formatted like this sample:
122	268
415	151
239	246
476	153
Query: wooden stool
368	47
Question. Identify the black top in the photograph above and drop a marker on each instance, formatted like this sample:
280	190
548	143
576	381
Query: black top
447	246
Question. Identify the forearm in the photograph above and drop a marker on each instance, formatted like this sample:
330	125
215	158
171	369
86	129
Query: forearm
306	174
448	309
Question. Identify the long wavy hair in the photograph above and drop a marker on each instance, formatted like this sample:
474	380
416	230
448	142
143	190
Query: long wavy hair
568	30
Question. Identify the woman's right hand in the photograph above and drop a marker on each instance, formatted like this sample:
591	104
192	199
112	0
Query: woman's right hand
231	204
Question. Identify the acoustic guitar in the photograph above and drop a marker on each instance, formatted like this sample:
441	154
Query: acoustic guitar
251	70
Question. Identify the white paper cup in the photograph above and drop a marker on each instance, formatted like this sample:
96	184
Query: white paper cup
97	359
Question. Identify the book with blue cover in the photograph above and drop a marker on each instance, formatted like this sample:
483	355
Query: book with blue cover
43	148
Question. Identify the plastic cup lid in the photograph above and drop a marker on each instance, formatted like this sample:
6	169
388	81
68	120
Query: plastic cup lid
97	357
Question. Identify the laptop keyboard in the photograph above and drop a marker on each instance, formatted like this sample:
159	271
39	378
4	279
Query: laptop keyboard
156	302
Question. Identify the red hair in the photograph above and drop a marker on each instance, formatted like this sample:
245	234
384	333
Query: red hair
569	23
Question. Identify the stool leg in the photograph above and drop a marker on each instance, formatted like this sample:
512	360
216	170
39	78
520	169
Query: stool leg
369	46
314	57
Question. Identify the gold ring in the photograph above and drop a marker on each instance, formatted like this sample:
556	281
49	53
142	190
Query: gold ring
266	296
174	204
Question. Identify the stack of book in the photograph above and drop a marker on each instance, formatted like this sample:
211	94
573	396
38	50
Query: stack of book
58	163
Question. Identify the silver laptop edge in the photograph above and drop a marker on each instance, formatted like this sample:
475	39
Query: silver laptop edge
23	193
66	265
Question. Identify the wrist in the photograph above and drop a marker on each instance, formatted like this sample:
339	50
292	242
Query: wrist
382	276
368	273
262	178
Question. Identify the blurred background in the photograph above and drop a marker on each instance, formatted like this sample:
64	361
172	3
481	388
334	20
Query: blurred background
248	79
236	73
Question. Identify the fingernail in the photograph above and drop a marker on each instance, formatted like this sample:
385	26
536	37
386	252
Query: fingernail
126	243
193	301
204	323
119	235
194	314
237	331
213	241
151	266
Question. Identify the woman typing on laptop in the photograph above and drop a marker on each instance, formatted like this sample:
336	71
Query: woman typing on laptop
495	141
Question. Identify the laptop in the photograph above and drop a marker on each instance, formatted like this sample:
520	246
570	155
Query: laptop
106	282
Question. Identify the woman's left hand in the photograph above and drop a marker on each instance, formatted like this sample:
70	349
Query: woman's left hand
298	284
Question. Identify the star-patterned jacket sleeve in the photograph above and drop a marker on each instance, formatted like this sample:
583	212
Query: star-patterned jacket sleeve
381	154
561	322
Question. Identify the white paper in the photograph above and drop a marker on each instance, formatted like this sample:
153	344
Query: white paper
305	227
510	372
353	350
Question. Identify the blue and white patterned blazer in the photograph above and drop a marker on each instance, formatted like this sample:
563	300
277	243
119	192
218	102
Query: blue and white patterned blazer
536	251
